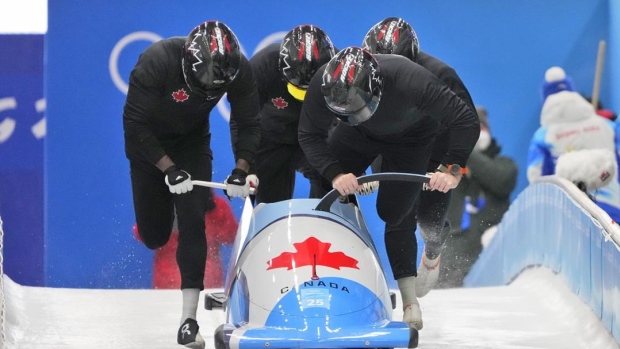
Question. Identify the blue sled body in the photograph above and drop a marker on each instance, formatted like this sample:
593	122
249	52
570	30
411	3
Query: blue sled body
302	277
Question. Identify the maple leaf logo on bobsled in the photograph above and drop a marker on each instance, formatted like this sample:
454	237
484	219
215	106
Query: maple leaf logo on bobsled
312	252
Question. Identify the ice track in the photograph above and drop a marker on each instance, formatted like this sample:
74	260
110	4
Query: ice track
537	311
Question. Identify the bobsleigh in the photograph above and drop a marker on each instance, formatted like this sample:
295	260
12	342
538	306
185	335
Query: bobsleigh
304	273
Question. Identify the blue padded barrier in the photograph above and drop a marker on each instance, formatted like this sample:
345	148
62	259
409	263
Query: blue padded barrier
553	224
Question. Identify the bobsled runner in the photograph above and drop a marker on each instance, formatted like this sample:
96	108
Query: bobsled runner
304	273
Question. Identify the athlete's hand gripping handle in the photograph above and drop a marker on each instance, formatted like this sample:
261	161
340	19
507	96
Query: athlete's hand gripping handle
178	181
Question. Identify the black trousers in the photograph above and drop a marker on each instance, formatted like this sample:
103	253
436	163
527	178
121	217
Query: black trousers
276	167
429	211
395	199
155	206
431	208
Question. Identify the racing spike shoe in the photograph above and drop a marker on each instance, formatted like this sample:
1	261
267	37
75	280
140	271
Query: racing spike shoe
428	273
189	336
413	315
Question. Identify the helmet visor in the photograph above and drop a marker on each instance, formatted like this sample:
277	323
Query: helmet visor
359	116
352	105
197	86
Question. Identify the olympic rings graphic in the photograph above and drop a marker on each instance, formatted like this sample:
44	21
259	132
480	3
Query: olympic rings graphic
123	86
116	52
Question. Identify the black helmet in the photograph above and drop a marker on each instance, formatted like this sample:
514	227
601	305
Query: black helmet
392	36
303	50
211	58
352	85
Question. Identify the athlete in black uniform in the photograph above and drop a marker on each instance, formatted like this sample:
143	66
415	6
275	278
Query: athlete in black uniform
395	36
392	107
283	72
172	89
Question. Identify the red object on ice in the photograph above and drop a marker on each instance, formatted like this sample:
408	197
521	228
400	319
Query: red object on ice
220	228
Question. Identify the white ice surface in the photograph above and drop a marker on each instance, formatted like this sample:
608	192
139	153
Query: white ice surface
536	311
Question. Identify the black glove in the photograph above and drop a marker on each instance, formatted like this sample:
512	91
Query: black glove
236	184
178	181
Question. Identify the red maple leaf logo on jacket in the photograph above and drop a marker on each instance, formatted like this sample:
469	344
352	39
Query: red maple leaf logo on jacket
180	95
279	102
312	252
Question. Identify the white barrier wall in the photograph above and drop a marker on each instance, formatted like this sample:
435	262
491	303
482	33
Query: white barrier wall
553	224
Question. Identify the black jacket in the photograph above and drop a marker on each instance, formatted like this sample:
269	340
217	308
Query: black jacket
162	113
279	111
413	105
448	76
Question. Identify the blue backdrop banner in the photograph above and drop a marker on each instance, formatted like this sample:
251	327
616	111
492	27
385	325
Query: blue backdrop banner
22	132
500	49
